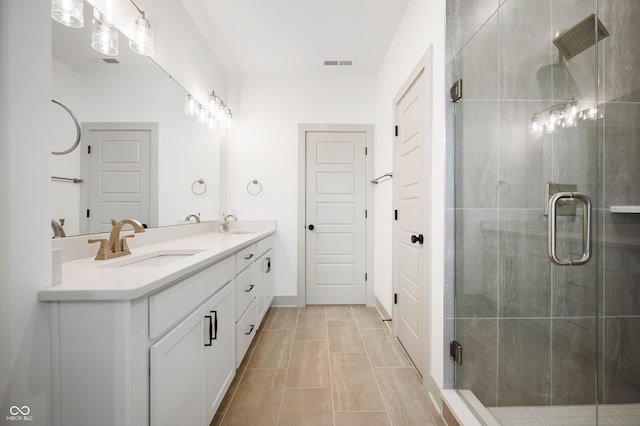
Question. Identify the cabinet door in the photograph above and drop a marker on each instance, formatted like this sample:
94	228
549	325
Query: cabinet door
190	369
177	370
220	354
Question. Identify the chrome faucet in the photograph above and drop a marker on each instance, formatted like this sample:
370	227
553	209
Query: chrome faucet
58	230
224	224
197	217
116	246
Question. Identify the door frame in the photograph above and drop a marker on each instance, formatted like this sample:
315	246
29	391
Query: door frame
368	130
85	166
425	67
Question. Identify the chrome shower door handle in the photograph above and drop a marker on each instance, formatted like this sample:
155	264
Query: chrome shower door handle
586	228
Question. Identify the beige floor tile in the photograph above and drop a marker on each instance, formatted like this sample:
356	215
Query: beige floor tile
354	384
224	405
407	401
344	336
313	308
309	365
306	407
312	325
273	350
339	313
281	319
384	350
362	418
368	317
257	400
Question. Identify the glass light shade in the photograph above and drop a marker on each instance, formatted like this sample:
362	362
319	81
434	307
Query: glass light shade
202	115
212	121
104	37
68	12
190	106
108	10
141	41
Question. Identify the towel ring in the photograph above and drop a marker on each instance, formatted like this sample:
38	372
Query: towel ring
78	132
201	182
258	186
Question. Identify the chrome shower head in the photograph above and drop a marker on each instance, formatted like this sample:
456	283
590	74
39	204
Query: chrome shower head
580	37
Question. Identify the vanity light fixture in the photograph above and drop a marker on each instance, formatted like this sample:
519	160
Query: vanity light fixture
104	35
68	12
216	115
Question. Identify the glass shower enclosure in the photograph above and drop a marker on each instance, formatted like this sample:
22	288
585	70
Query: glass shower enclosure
545	213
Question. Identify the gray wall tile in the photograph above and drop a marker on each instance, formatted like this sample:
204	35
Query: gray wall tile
524	362
621	366
478	371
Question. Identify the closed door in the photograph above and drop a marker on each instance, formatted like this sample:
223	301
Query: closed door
411	236
335	218
119	177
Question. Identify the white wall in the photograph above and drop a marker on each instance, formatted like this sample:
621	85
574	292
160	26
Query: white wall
423	25
263	145
25	243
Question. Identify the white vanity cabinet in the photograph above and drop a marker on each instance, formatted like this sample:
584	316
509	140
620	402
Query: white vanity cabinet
152	347
164	359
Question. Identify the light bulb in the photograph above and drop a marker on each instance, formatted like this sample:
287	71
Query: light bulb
535	125
212	121
68	12
104	37
202	115
141	40
190	107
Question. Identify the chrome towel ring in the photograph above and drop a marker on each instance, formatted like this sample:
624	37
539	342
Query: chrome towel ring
254	187
201	182
78	132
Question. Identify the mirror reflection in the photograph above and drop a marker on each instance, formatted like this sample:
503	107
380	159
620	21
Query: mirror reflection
139	155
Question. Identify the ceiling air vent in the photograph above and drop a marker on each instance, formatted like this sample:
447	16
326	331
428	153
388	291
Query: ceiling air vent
111	60
340	63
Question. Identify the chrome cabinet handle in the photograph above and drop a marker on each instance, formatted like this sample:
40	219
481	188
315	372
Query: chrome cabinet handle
586	228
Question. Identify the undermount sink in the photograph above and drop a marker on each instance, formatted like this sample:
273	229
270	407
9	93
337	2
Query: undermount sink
241	231
154	259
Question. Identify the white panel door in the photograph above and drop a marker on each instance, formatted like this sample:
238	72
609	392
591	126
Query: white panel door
411	237
335	218
120	182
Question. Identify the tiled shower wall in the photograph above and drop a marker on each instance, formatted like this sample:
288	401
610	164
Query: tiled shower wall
532	333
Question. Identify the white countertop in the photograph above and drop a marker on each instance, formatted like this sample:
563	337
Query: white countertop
89	279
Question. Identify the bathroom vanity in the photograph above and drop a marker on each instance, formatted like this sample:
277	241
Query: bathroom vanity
155	338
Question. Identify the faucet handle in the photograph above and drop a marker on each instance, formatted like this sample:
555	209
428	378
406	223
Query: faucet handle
103	251
123	242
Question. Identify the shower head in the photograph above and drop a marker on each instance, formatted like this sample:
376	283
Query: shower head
580	37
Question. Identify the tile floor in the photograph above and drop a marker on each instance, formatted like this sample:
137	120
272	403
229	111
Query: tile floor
576	415
326	365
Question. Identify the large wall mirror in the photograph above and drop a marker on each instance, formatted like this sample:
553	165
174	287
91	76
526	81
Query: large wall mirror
148	161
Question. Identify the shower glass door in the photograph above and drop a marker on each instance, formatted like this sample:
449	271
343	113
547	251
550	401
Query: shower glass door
550	103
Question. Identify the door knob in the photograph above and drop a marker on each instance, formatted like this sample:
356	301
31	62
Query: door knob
311	227
417	239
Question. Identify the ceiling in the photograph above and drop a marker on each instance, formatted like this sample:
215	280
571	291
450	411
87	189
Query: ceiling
297	36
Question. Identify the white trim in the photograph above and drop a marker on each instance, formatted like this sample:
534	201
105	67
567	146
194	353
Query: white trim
85	169
368	129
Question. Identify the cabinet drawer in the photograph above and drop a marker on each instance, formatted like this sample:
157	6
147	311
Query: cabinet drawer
246	289
170	305
245	332
265	244
245	257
